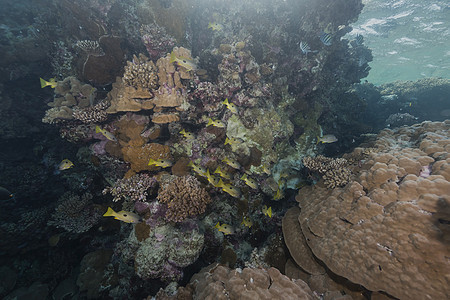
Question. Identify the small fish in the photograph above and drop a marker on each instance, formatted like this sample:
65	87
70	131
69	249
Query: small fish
228	188
325	38
215	26
184	62
231	106
5	194
246	221
124	216
163	163
197	169
187	135
327	139
267	211
232	163
65	164
250	182
105	133
54	240
359	40
304	46
278	195
266	168
233	141
51	83
222	173
225	228
212	179
216	123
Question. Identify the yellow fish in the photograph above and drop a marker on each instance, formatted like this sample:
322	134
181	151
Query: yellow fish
233	141
163	163
232	163
222	173
250	182
188	135
212	179
228	188
51	83
199	170
246	221
327	139
105	133
65	164
231	106
184	62
267	211
216	123
279	195
125	216
215	26
225	228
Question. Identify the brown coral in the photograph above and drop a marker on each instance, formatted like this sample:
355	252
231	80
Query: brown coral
184	198
334	171
219	282
92	114
388	228
128	98
140	73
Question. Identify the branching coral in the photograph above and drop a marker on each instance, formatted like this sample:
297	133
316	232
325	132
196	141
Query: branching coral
140	73
335	171
388	228
92	114
74	213
134	188
184	198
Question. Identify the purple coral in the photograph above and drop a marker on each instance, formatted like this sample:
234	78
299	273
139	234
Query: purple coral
134	188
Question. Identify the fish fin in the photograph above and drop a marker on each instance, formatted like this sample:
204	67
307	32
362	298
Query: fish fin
269	212
109	213
43	83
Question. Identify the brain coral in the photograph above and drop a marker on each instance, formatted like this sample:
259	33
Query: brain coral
388	229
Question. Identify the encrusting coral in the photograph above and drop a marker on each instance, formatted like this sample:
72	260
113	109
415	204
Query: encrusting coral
134	188
184	197
387	229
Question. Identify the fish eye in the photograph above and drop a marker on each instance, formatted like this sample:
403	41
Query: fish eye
125	215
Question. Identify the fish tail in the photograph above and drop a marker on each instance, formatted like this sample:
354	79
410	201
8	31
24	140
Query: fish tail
210	122
43	83
244	177
97	129
183	131
318	140
151	162
227	141
269	212
109	213
172	57
225	101
190	164
217	225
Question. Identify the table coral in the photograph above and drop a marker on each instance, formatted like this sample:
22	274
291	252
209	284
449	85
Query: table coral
388	228
184	197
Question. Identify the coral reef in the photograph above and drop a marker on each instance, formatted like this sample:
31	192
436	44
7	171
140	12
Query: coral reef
334	171
364	231
132	189
220	282
166	251
397	120
91	114
184	198
75	214
156	40
140	73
